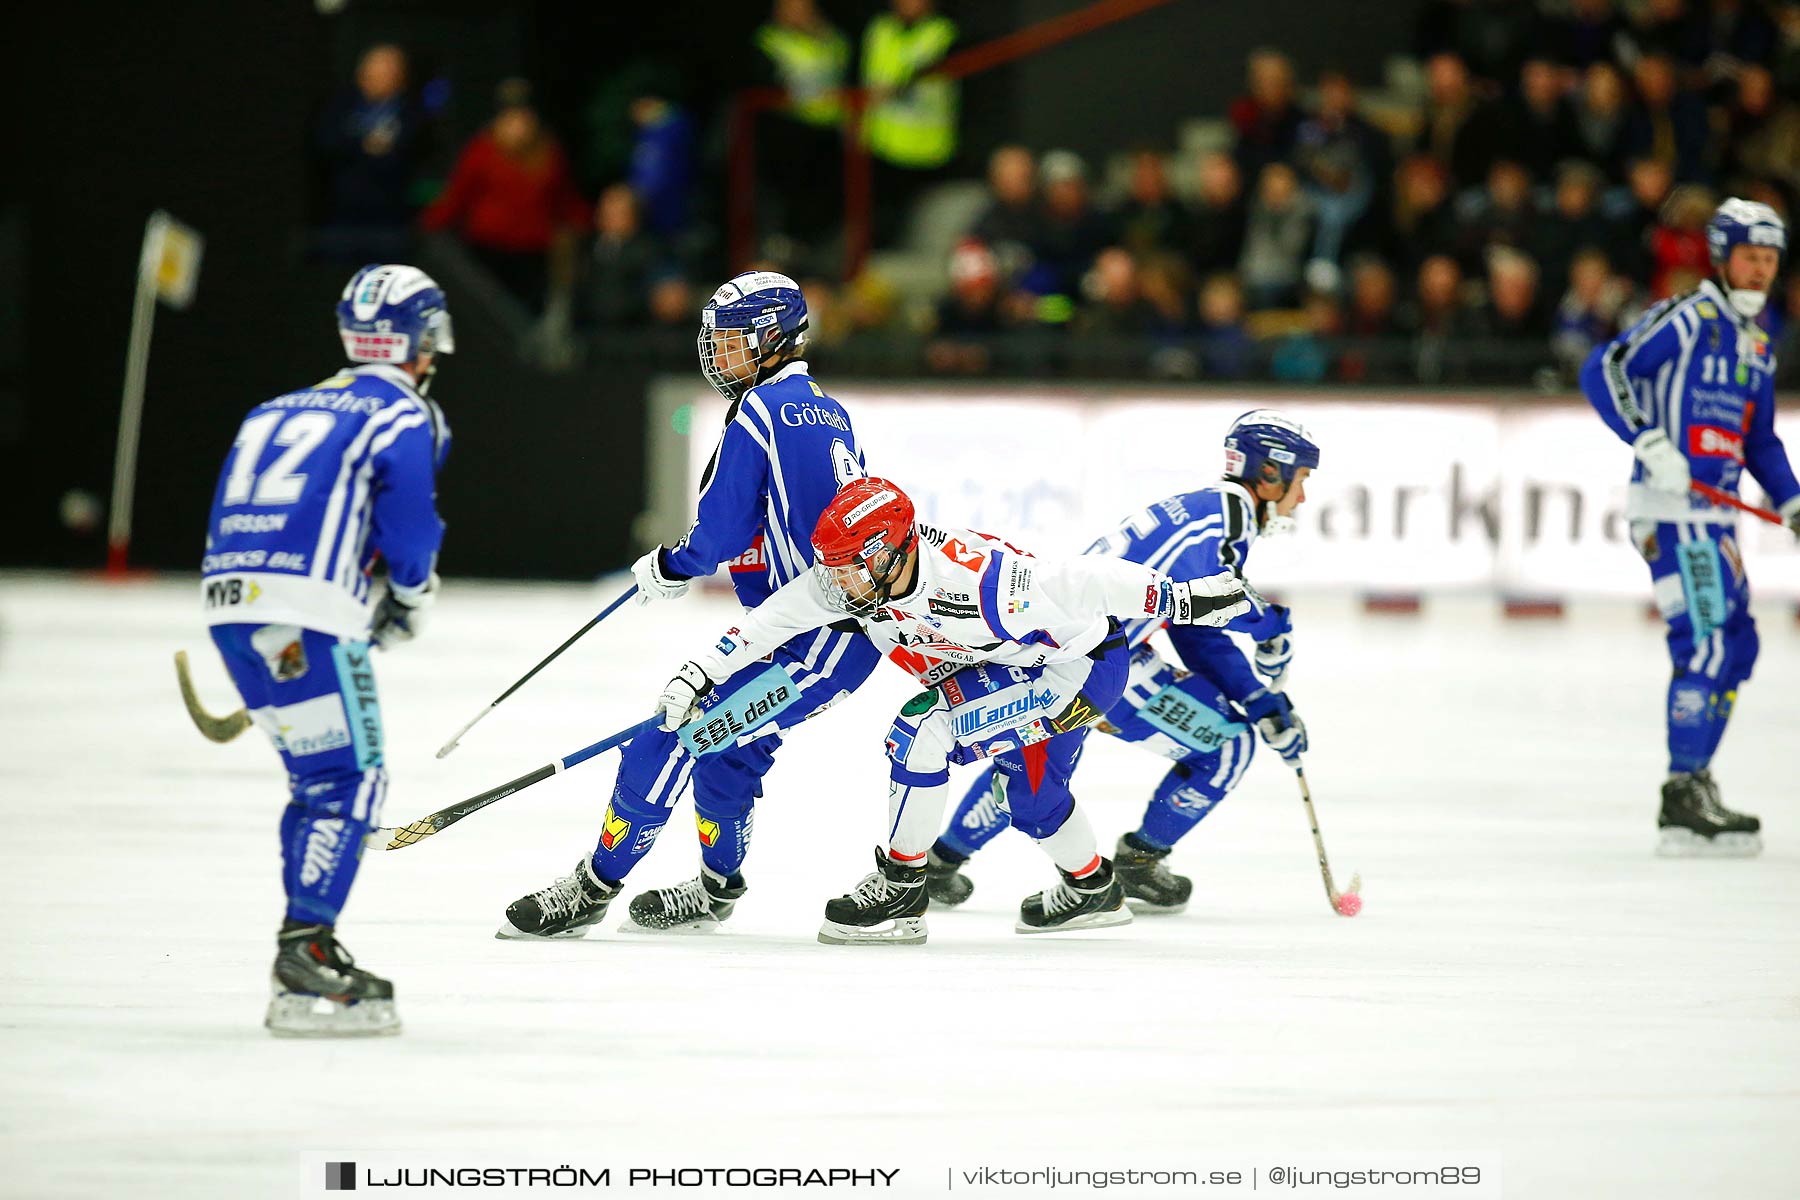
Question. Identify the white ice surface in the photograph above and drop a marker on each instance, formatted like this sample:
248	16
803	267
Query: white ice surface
1526	978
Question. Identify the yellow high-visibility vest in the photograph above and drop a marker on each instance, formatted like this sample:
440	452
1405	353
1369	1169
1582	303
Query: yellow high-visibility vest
811	67
916	127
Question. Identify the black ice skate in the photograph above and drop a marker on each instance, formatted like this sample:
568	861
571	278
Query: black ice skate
1695	824
317	990
886	908
944	881
1150	887
565	909
696	906
1091	903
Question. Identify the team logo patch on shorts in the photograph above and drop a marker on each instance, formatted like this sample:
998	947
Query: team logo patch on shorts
1080	712
614	830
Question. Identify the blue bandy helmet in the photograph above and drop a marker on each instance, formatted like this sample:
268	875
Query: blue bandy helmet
1263	446
751	320
1743	223
391	313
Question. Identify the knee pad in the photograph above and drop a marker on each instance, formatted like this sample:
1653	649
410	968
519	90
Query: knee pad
341	792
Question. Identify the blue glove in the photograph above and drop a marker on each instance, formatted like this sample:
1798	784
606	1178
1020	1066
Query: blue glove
1278	723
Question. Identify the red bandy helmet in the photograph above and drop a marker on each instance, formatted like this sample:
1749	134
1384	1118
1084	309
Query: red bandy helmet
860	545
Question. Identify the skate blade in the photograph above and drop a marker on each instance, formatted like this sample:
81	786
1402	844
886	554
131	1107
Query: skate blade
904	931
1678	842
293	1015
508	932
1098	920
1149	908
701	927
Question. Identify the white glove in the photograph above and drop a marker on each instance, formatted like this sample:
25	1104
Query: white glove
652	583
1664	467
680	700
400	616
1214	601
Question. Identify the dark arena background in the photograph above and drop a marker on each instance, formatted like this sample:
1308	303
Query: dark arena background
1050	251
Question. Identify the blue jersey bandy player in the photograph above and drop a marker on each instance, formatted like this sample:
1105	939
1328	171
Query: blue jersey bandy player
1021	654
1199	714
785	450
318	484
1691	387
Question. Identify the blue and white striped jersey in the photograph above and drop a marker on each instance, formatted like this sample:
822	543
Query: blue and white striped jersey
1706	376
786	450
317	483
1190	536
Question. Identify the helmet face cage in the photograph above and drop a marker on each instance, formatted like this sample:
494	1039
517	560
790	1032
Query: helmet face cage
765	314
864	582
724	354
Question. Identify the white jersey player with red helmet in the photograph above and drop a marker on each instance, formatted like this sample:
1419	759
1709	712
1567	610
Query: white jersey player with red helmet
1020	654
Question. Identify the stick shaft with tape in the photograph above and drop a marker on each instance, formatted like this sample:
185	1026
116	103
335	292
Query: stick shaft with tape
526	678
407	835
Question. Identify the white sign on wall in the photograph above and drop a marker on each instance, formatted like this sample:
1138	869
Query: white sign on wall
1521	496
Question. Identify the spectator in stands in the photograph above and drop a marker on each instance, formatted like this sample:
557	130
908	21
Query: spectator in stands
1667	124
1424	222
1573	223
622	261
1784	62
1492	36
1589	33
1277	236
1342	159
1649	181
807	57
1589	312
1151	218
1677	29
662	164
1762	137
1372	297
1539	130
1678	251
1437	309
1460	130
1742	35
1011	223
1072	231
1503	213
1787	343
513	202
1115	304
672	303
1512	309
1226	350
1219	215
370	142
972	311
1167	289
1600	117
1303	355
1265	120
910	125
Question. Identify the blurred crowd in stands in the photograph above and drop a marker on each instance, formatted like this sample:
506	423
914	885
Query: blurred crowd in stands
1542	174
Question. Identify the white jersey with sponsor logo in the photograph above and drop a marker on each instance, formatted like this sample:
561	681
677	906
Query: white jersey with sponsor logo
974	599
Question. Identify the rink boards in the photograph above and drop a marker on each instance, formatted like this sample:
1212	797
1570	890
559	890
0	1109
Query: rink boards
1438	492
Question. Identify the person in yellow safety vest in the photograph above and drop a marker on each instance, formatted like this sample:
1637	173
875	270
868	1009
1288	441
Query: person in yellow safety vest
809	58
911	118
